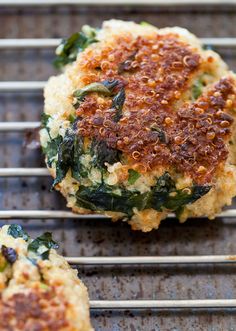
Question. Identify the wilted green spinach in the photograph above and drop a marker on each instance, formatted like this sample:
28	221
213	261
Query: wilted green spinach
102	153
41	245
69	48
69	151
163	195
16	231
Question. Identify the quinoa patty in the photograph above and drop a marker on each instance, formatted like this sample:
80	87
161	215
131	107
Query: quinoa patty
141	123
38	289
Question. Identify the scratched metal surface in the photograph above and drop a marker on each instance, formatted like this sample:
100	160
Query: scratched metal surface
97	237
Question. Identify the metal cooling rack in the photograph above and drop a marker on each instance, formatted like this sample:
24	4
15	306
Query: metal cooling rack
19	86
164	3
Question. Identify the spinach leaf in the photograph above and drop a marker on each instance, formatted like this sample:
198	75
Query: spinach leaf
133	176
52	148
41	245
110	84
117	104
186	196
77	169
69	151
102	197
52	145
160	192
44	119
65	155
105	88
163	195
139	200
102	153
16	231
69	48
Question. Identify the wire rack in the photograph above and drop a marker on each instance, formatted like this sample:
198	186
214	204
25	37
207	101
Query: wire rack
19	127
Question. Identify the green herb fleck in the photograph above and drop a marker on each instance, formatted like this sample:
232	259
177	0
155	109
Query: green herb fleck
16	231
44	119
72	118
41	245
208	47
144	23
44	287
197	89
133	176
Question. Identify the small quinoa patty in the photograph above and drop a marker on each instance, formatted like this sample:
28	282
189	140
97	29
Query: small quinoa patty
140	124
38	289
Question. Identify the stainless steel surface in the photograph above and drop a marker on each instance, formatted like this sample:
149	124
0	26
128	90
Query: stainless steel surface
168	264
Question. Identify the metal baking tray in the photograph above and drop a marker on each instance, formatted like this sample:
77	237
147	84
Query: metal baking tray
181	277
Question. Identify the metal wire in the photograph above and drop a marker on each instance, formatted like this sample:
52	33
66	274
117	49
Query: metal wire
39	214
44	214
21	86
29	43
115	2
18	126
162	304
52	43
23	172
151	260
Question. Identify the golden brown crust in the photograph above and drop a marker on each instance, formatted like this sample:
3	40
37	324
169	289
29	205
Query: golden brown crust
155	72
200	133
34	311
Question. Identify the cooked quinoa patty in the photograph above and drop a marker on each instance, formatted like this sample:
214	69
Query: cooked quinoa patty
38	289
141	123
